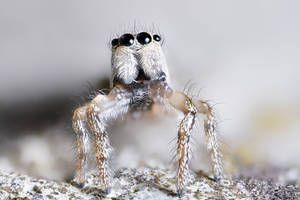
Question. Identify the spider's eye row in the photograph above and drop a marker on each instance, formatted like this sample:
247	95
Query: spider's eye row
126	40
114	42
144	38
157	38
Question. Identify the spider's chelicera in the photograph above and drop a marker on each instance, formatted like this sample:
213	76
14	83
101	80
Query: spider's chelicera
139	80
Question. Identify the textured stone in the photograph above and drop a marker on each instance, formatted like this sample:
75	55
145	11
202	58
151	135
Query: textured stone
143	183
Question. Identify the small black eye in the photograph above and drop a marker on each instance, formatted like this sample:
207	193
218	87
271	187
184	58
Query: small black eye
126	40
156	38
114	42
144	38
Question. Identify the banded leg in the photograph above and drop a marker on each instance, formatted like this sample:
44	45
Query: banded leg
102	110
211	138
181	102
80	128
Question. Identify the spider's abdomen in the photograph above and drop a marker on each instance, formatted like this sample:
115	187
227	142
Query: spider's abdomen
141	100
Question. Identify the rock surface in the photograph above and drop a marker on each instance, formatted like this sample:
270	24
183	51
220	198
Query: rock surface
143	183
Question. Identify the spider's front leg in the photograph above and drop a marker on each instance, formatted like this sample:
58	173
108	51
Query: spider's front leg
102	110
181	102
80	127
185	104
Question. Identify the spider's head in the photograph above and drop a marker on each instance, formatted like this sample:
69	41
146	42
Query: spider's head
138	58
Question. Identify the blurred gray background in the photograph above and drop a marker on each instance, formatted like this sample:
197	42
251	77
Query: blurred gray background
243	55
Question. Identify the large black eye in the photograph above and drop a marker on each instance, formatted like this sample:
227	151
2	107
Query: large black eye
156	38
144	38
114	42
126	40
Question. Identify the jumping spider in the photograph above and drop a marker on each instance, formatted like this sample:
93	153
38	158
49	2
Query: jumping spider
139	80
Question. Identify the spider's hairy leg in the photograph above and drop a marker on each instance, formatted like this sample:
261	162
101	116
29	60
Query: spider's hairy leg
79	126
211	137
183	103
101	110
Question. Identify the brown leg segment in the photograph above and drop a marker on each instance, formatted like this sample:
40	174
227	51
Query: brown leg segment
102	148
79	126
211	138
190	109
184	150
101	110
182	102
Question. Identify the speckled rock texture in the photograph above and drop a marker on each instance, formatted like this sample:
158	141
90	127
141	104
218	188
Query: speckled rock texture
144	183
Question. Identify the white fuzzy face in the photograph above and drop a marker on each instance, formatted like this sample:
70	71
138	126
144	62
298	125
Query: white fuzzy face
138	58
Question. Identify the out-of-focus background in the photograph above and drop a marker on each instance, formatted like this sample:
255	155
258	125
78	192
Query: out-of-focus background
243	56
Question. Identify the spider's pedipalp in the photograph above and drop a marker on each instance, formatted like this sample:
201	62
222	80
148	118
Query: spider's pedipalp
153	61
124	65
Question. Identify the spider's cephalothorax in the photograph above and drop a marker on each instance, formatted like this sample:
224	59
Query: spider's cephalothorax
139	80
137	62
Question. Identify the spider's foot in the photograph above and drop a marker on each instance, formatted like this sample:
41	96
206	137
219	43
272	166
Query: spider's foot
180	193
107	191
80	185
218	179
